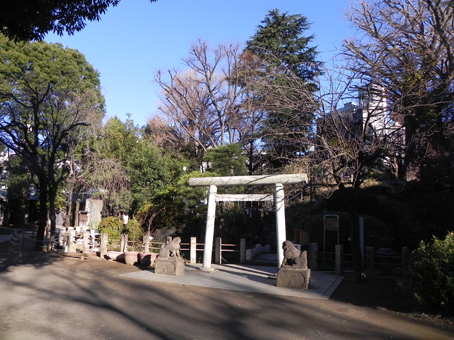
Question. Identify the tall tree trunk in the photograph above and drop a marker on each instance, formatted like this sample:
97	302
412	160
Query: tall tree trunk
42	215
69	207
52	217
6	214
411	126
52	212
251	155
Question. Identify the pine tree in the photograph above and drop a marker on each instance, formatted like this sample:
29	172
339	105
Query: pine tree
279	40
284	50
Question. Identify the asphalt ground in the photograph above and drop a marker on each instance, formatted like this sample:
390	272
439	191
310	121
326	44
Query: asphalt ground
46	296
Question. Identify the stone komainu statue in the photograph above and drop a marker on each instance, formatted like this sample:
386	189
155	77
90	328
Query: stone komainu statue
293	272
170	249
293	258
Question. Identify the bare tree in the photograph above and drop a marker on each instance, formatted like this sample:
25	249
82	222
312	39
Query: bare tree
248	74
75	147
75	163
162	134
187	106
407	47
205	103
351	136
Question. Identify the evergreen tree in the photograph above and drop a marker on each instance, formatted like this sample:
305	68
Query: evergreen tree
283	49
151	171
49	95
226	160
280	40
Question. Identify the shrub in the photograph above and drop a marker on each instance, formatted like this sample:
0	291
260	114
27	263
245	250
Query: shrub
431	275
135	232
113	226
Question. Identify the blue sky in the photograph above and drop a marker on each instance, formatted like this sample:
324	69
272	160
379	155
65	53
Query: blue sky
135	39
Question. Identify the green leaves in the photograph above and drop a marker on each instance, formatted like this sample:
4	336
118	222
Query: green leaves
280	41
32	19
289	68
431	274
49	96
226	160
37	67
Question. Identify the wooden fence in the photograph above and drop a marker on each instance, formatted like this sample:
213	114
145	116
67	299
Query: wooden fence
339	262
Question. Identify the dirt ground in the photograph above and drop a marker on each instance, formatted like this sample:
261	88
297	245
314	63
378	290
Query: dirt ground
387	294
38	285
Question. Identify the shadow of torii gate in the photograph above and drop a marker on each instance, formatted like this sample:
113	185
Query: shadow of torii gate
278	198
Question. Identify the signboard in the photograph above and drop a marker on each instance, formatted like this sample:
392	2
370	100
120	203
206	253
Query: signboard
331	222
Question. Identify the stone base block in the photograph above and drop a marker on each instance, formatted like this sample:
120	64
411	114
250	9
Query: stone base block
293	278
171	266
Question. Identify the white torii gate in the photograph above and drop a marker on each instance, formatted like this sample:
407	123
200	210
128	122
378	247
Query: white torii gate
213	182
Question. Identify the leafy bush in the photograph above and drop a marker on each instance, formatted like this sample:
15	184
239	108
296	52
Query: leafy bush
113	226
431	275
135	232
226	160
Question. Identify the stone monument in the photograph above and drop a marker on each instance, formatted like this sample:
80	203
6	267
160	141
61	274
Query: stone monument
294	272
169	261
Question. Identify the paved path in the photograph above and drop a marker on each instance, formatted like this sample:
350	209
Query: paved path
255	279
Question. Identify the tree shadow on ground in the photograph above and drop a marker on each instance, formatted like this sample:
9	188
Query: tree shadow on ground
76	299
378	293
35	259
24	255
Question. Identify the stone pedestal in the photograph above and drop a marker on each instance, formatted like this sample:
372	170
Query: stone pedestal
169	266
293	278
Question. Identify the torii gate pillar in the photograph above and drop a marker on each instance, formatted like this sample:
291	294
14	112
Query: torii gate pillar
280	220
209	230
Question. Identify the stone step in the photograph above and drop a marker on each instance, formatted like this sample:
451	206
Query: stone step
265	259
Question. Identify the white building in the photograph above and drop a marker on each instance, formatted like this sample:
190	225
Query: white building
371	114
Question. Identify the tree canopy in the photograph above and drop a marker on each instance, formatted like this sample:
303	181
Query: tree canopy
48	96
283	49
33	19
280	40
